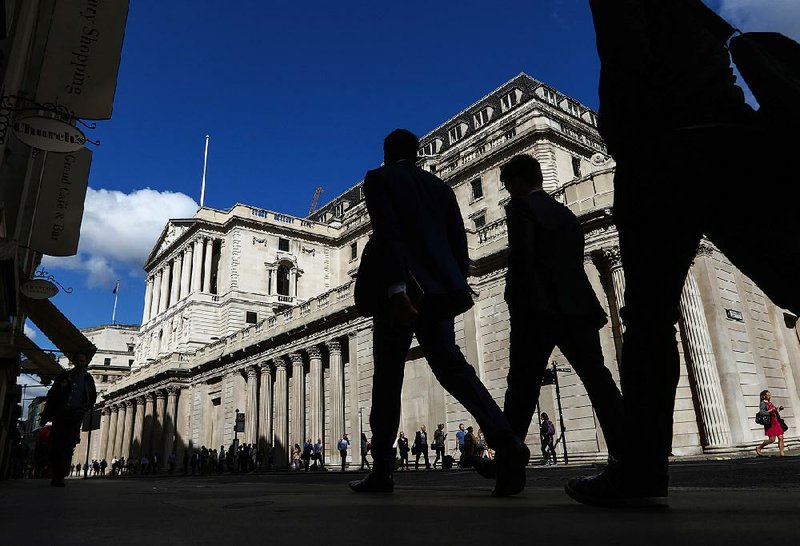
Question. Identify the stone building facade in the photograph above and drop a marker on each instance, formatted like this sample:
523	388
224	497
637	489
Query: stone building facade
252	310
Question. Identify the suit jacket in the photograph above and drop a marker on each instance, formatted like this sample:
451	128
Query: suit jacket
545	263
418	239
419	442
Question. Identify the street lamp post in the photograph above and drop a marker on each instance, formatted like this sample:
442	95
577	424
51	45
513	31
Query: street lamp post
556	369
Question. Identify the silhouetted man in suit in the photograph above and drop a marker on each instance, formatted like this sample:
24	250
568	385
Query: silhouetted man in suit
421	447
72	395
692	160
551	303
415	269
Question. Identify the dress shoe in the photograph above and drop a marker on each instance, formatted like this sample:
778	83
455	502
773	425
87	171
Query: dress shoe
512	461
373	484
617	488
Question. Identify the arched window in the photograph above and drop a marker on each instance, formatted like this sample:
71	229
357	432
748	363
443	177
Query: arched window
283	280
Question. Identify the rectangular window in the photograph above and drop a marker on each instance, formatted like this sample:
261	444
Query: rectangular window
106	362
104	379
511	100
251	317
477	189
353	251
130	347
573	109
482	118
576	167
283	244
479	221
130	362
455	133
511	133
549	96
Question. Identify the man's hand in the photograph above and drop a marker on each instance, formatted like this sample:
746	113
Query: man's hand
401	310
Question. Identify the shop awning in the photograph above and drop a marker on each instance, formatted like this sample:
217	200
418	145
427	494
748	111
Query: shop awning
38	362
55	326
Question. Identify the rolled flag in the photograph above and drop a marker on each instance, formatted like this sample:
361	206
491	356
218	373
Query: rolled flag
116	288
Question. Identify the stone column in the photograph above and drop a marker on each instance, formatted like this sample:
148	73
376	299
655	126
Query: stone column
703	365
293	282
265	406
120	430
337	397
147	434
606	334
169	423
614	261
155	304
148	299
138	428
112	433
158	422
177	278
163	301
105	418
297	400
126	437
209	245
738	414
186	274
317	395
251	406
281	442
197	266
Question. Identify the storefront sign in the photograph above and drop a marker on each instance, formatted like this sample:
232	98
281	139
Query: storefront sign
39	289
49	134
59	211
81	59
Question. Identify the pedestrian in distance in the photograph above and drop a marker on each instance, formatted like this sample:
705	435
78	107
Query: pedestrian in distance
103	466
365	452
308	451
296	455
317	455
343	445
412	281
421	447
439	436
672	56
774	425
551	303
72	395
403	449
460	438
547	434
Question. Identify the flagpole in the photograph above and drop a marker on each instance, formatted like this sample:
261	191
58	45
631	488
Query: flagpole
205	166
114	312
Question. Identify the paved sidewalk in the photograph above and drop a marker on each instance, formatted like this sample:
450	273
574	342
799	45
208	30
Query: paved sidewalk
722	502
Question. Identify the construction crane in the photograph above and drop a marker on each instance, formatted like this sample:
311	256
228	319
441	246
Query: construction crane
314	201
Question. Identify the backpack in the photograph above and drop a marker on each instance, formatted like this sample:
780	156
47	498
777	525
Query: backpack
551	429
342	445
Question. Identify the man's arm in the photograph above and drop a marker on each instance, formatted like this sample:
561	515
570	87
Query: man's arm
386	226
457	235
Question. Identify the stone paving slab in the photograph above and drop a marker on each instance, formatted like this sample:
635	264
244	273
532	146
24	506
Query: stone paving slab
707	507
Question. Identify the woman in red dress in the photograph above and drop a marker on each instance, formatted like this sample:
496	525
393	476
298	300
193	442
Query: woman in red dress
775	427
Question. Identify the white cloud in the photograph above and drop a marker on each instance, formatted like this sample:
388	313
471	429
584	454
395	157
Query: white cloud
29	331
763	15
119	231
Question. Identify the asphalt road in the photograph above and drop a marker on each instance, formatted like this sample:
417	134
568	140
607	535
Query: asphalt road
712	502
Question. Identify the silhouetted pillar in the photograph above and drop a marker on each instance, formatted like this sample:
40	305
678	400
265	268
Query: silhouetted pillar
120	430
169	422
112	433
251	408
158	422
281	443
105	423
138	428
337	396
297	401
265	406
126	437
147	435
316	401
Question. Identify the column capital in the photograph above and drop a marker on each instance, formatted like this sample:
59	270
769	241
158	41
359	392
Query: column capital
114	408
140	400
128	403
705	250
314	352
266	367
279	362
252	372
613	256
172	390
296	358
106	411
160	394
179	256
149	396
334	346
587	258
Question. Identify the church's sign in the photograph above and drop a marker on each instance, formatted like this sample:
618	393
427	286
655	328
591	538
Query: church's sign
49	134
81	58
59	211
39	289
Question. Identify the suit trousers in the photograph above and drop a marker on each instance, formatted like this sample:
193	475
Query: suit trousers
436	337
64	436
744	204
533	338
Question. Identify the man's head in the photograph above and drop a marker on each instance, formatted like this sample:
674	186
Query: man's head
461	427
440	426
80	359
521	175
470	429
398	145
545	417
422	428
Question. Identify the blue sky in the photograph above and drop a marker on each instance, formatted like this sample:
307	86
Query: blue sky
295	95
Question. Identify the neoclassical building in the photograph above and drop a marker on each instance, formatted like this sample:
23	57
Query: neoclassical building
252	310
